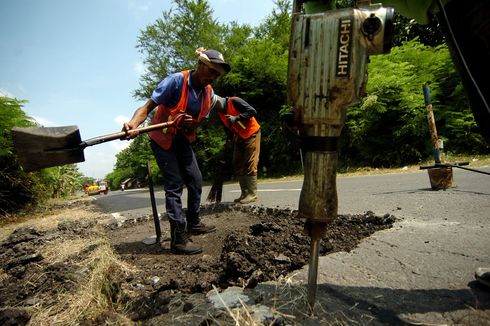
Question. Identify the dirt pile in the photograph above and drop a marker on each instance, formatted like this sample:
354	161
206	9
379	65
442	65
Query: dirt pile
252	245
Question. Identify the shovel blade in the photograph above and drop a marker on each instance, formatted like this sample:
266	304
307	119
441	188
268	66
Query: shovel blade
38	148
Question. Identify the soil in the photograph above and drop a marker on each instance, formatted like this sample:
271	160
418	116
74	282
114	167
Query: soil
252	246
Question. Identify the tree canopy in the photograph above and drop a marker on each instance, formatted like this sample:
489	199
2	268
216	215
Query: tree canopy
388	128
19	189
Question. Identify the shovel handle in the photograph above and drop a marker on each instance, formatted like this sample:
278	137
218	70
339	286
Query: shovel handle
122	134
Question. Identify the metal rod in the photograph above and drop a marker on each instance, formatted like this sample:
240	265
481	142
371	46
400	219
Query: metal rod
473	170
313	273
156	219
452	165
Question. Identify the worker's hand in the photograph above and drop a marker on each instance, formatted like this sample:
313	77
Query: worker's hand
232	118
188	124
130	131
187	121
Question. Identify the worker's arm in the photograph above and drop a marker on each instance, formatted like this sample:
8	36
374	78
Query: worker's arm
245	109
139	117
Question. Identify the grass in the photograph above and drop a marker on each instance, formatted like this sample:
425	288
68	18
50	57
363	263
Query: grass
95	270
97	292
48	218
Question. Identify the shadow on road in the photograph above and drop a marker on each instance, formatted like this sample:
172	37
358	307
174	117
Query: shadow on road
390	306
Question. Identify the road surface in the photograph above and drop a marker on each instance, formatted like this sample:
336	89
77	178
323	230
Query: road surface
419	271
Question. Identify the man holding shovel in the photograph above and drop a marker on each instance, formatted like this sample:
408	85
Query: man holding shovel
185	98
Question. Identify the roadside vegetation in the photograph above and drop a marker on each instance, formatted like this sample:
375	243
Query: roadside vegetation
387	130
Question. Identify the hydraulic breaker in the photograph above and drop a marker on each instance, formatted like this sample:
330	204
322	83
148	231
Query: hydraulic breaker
327	73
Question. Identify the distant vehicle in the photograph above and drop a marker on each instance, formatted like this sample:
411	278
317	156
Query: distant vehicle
92	189
130	183
97	188
103	187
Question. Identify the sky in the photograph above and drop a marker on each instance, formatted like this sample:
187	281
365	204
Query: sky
76	62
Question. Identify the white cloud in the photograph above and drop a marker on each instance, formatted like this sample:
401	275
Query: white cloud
6	93
120	145
139	5
99	160
120	120
139	68
45	122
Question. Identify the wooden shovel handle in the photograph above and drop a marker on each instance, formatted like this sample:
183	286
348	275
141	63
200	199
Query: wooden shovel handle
122	134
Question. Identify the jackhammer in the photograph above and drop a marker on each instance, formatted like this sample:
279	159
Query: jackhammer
327	72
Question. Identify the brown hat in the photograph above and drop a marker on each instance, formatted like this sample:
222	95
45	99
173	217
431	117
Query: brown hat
214	59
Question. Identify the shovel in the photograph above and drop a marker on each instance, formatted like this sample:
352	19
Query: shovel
38	148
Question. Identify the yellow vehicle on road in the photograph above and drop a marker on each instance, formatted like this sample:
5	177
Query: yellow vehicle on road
97	188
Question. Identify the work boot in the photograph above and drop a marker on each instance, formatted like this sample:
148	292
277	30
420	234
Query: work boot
243	188
196	227
482	275
181	243
251	184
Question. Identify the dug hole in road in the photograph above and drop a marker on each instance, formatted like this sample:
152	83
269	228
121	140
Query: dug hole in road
399	253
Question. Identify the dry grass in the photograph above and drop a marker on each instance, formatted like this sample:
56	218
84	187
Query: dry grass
97	292
292	298
48	219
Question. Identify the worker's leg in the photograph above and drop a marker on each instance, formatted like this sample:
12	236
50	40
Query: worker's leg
193	180
251	160
173	184
239	169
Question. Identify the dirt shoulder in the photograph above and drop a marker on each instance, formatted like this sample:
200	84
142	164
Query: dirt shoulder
73	264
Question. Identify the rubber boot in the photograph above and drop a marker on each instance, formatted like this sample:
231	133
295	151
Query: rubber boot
243	188
180	240
482	275
196	227
251	182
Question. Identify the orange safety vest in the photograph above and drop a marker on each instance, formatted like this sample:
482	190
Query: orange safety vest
165	136
245	128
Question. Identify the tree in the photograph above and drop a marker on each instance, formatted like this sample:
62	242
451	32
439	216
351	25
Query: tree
259	69
63	180
17	189
407	29
132	162
11	115
390	127
259	75
169	44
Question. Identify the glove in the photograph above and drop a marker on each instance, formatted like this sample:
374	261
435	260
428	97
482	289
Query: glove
232	118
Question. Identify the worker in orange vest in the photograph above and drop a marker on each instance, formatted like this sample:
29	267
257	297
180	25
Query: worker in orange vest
239	119
185	97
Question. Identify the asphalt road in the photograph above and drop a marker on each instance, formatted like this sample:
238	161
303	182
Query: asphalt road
401	194
421	270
